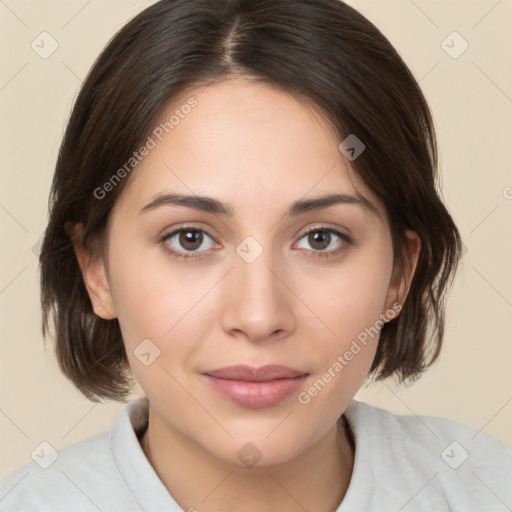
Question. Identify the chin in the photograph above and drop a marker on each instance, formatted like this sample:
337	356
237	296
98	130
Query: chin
257	451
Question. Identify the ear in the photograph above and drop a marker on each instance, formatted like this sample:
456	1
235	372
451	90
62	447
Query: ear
94	274
402	278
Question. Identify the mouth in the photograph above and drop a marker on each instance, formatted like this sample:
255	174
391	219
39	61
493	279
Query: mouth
252	387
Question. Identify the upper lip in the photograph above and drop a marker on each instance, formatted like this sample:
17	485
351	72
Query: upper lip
252	374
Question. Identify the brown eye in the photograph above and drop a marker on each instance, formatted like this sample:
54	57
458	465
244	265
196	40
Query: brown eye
325	242
190	239
186	242
319	240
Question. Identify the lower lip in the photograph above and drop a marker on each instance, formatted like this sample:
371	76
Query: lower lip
256	394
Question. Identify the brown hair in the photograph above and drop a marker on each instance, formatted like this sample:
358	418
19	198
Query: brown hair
320	50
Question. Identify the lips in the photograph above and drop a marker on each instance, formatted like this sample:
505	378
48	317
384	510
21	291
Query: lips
251	374
252	387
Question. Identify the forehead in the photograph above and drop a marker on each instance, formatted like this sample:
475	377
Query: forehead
251	144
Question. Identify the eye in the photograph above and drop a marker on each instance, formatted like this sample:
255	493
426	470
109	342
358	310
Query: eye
185	242
323	238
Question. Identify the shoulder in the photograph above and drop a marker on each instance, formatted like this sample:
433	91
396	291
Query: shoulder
454	462
416	430
79	477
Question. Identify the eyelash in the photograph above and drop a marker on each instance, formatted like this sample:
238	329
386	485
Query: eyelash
193	256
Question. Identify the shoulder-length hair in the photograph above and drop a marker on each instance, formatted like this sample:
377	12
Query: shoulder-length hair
322	51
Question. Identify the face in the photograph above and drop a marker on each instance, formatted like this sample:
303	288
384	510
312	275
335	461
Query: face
205	290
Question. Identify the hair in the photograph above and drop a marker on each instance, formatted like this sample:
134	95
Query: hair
322	51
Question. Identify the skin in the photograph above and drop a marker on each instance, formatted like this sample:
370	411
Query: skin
258	149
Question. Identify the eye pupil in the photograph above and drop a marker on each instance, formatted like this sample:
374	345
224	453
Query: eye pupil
318	238
191	239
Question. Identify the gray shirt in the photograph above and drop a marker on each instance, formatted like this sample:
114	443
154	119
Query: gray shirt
402	464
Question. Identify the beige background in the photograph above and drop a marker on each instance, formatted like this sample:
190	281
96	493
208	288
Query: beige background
471	98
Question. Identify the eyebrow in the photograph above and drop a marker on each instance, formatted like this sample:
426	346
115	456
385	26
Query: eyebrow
211	205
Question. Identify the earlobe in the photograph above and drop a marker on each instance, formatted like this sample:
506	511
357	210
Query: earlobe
94	275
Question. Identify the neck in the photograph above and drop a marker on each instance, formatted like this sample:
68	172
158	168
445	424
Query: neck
317	479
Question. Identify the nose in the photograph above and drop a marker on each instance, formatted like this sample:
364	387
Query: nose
257	303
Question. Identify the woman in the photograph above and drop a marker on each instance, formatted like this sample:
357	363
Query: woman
244	218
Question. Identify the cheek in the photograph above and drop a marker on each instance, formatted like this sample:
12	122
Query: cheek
344	360
149	291
164	302
352	296
352	305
